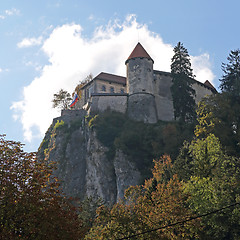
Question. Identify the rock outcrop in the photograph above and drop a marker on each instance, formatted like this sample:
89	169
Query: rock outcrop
82	162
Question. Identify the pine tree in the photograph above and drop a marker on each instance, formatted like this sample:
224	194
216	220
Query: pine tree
230	81
182	91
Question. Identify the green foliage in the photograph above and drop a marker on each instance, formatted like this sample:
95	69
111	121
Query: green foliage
58	124
182	91
220	114
155	204
214	183
183	163
141	142
206	154
91	121
206	119
31	203
61	100
210	166
88	211
230	81
109	126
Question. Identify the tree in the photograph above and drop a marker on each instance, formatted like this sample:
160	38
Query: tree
230	81
31	203
159	202
182	91
78	88
210	166
215	183
61	100
220	114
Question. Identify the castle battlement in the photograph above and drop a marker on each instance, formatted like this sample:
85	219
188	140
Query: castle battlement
144	94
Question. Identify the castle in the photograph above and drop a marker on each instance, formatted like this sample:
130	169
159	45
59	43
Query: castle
144	94
84	166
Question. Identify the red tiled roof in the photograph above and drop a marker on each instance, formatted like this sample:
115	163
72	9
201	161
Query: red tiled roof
107	77
139	52
207	83
111	78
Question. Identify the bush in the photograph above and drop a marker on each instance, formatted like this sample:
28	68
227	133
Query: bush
141	142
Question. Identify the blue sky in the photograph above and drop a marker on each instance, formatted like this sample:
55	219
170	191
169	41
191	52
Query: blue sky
51	44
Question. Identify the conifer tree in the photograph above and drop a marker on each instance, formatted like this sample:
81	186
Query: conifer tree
230	81
182	91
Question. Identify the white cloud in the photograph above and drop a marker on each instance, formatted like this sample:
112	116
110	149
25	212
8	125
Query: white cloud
10	12
72	57
13	11
29	42
4	70
202	67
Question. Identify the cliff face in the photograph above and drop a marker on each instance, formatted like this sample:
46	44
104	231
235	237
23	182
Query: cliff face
82	162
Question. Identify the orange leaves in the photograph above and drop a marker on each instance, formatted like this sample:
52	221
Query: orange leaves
157	203
31	205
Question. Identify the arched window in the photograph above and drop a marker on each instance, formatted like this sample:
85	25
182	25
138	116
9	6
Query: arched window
103	88
111	89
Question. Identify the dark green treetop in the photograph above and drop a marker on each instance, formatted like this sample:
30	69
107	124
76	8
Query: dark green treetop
182	91
230	81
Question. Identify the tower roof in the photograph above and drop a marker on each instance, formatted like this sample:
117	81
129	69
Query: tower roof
139	52
208	84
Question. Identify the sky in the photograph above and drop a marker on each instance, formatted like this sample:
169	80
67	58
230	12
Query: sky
52	44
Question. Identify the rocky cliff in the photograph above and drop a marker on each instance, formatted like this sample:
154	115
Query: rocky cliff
82	162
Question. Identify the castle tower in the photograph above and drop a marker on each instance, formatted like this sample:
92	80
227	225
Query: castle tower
141	101
139	71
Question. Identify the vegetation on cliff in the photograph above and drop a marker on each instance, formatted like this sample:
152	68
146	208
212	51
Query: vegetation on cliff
148	207
139	141
206	172
192	191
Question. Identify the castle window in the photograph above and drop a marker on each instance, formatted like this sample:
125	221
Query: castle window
121	90
111	89
90	91
103	88
143	90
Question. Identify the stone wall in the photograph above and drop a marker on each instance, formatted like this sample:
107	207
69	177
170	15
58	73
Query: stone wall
139	75
142	107
149	95
163	95
116	87
201	91
114	102
68	115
